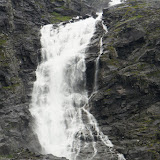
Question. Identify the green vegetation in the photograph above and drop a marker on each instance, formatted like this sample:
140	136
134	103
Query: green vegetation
2	42
129	19
111	48
15	82
6	156
112	51
4	64
56	17
4	61
147	133
39	4
108	91
113	62
3	58
2	55
11	87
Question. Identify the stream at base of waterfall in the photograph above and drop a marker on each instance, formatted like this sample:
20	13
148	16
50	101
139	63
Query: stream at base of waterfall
63	123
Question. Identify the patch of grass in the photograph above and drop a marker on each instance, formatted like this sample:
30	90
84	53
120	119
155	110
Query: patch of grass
129	19
113	62
56	17
3	39
6	156
2	55
108	92
4	64
111	48
2	42
11	87
112	51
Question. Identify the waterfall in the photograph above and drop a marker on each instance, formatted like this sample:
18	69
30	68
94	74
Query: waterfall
97	68
63	123
115	2
95	86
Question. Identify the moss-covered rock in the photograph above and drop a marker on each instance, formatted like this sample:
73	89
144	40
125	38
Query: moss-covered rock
57	17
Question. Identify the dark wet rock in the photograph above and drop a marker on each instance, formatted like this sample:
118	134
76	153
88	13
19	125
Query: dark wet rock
127	103
80	7
86	16
92	53
103	152
98	5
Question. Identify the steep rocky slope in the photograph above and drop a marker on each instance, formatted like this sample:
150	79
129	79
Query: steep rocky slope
127	104
98	5
20	23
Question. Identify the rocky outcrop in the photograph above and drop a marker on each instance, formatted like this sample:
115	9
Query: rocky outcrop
98	5
80	7
127	104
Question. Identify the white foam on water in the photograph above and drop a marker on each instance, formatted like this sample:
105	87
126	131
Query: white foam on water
59	97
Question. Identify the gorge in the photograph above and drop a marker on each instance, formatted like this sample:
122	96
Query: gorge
124	103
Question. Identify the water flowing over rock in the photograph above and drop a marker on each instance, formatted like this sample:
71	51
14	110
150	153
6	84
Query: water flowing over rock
126	103
20	22
60	101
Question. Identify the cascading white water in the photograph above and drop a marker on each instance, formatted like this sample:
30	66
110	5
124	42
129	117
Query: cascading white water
95	86
59	92
59	105
114	2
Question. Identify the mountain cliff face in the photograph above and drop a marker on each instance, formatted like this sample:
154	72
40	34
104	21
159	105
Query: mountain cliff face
98	5
20	22
127	104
